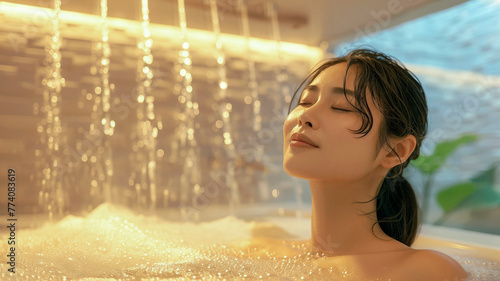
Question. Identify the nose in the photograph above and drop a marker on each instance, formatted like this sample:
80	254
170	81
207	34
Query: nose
306	118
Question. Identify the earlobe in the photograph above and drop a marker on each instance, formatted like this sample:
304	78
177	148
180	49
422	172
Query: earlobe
401	149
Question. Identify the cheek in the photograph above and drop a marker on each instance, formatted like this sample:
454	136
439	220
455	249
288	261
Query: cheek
287	128
347	156
290	122
353	124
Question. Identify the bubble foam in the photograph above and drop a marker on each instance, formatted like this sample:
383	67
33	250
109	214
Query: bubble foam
113	243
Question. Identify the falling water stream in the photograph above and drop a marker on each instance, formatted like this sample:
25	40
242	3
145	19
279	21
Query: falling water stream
252	73
281	76
224	109
253	98
52	196
100	156
93	154
191	174
143	177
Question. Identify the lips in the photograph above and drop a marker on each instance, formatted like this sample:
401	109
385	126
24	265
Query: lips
298	139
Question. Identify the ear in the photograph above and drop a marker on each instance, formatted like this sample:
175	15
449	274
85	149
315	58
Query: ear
402	148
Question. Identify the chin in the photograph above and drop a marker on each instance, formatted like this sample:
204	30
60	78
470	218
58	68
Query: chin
297	171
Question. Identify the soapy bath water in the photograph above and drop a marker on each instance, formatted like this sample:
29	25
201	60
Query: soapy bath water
112	243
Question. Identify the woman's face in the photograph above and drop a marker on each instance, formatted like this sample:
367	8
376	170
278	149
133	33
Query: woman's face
318	141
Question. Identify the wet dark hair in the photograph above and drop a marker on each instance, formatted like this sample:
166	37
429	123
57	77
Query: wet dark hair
398	94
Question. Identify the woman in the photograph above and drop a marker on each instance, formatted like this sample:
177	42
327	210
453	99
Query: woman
356	125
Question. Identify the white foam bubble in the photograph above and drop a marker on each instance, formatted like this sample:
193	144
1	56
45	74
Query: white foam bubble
113	243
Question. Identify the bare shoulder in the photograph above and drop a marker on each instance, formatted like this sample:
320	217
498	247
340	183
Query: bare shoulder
434	265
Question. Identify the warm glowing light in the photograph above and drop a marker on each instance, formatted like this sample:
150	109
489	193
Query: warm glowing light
276	193
196	37
148	59
160	153
140	98
219	124
247	100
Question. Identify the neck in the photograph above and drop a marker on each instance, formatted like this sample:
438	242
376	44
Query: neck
340	225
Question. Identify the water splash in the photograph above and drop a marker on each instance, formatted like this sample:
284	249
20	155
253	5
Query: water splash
52	196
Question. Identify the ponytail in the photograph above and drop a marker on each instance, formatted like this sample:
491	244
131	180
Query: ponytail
397	209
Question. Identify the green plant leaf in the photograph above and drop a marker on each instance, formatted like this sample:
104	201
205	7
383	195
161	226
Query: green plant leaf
449	198
485	195
429	164
486	178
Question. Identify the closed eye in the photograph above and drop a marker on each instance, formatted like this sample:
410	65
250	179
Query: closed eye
341	109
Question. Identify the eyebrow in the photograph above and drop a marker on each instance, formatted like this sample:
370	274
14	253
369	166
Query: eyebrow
335	90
